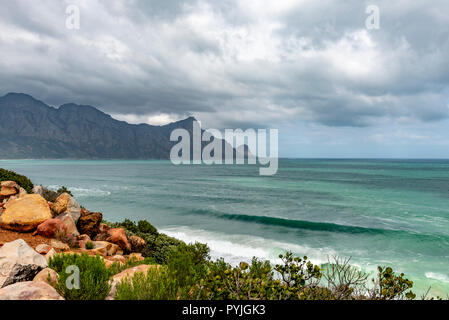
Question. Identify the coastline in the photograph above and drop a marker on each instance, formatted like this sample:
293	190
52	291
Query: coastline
112	205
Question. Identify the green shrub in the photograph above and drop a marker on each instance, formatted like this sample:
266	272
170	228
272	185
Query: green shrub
127	224
142	226
159	246
146	227
186	266
24	182
89	245
62	190
389	286
155	285
93	281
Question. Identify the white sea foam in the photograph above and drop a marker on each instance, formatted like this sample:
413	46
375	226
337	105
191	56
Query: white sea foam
84	192
236	248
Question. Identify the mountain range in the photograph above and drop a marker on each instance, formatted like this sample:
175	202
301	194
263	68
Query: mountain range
31	129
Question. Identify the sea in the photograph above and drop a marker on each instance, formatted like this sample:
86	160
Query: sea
375	212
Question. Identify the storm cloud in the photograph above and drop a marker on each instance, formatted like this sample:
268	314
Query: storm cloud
234	63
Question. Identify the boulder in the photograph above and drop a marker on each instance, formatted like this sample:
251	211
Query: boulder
9	200
118	258
25	214
52	228
104	228
58	245
89	223
66	204
30	290
47	275
101	236
7	191
118	237
10	184
43	248
104	248
70	225
22	192
8	188
50	254
137	243
19	262
38	190
127	274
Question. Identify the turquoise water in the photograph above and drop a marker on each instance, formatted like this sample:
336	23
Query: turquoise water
377	212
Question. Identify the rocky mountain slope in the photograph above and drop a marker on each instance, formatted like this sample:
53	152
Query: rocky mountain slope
29	128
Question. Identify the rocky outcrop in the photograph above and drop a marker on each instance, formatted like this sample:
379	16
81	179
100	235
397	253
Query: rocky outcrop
66	205
70	224
118	237
30	290
89	223
104	248
9	188
19	262
52	228
25	214
137	243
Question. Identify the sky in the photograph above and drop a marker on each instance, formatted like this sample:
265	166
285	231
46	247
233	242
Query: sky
332	85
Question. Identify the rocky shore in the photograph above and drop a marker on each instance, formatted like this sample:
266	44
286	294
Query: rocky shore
33	230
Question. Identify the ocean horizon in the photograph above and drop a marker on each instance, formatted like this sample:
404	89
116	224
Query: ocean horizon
378	212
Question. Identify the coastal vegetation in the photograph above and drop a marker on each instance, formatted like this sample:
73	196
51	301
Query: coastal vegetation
24	182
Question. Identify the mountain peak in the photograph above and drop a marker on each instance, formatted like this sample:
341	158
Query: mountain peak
18	95
20	100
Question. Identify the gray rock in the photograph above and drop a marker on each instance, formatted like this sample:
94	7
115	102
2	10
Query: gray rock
30	290
19	262
67	219
73	209
38	190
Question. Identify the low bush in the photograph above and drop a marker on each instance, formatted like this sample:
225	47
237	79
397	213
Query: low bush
24	182
89	245
93	281
390	286
155	285
187	265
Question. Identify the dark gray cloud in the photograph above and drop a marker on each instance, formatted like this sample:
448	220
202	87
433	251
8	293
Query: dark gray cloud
233	63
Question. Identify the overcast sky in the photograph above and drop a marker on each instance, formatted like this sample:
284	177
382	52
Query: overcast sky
333	87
